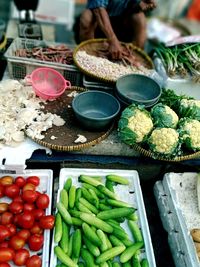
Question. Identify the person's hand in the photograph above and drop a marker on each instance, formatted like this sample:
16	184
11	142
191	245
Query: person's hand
147	5
115	50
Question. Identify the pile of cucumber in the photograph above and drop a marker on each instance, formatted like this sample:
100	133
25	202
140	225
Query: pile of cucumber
88	229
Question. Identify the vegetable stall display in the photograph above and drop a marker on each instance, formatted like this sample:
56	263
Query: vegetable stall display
23	220
90	224
182	60
169	129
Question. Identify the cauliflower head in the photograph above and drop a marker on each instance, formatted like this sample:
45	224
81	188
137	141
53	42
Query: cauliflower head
134	125
164	117
163	141
191	133
189	108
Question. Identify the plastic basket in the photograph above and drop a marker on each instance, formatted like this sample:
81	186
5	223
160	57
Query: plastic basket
48	83
19	67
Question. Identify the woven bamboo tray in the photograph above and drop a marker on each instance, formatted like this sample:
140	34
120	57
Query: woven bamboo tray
149	154
92	46
68	133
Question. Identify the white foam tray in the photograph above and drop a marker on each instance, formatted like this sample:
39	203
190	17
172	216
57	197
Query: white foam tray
133	196
177	202
46	182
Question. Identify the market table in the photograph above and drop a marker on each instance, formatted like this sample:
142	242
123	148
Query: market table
112	154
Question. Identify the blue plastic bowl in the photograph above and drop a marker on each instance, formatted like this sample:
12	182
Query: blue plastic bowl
138	89
95	110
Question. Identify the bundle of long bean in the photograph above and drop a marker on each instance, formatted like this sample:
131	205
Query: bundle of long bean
58	53
183	60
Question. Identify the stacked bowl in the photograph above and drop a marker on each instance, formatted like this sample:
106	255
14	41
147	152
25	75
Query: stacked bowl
137	89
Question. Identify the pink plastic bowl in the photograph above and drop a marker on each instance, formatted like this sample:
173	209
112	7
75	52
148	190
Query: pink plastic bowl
48	83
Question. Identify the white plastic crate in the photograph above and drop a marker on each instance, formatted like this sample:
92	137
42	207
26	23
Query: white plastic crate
175	218
19	67
132	195
45	186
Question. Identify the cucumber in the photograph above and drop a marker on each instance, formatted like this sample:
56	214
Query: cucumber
64	198
64	213
64	242
91	235
58	228
135	230
117	179
68	184
98	223
130	251
76	243
115	213
64	258
109	254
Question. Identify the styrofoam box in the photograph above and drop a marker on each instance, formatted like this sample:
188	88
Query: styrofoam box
46	182
176	197
133	196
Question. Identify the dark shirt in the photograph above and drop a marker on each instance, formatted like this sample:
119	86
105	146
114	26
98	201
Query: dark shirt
113	7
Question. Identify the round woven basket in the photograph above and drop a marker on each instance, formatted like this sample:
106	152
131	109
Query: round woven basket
149	154
93	45
68	133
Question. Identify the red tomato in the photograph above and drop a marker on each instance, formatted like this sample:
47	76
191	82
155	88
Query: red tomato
28	186
12	228
29	196
29	206
38	193
16	207
20	181
47	222
18	199
21	257
16	242
24	233
12	191
6	254
4	233
26	220
6	180
7	217
3	207
4	264
42	201
36	229
33	180
16	219
1	190
4	244
38	213
35	242
34	261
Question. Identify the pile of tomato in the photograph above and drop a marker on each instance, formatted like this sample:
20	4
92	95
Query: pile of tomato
22	221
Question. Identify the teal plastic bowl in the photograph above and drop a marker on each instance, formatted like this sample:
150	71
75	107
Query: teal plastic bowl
138	89
95	110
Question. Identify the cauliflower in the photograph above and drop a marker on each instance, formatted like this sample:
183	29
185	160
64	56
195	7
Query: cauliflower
134	125
190	130
163	141
163	116
189	108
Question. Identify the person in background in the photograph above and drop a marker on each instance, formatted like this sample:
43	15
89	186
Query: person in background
116	20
